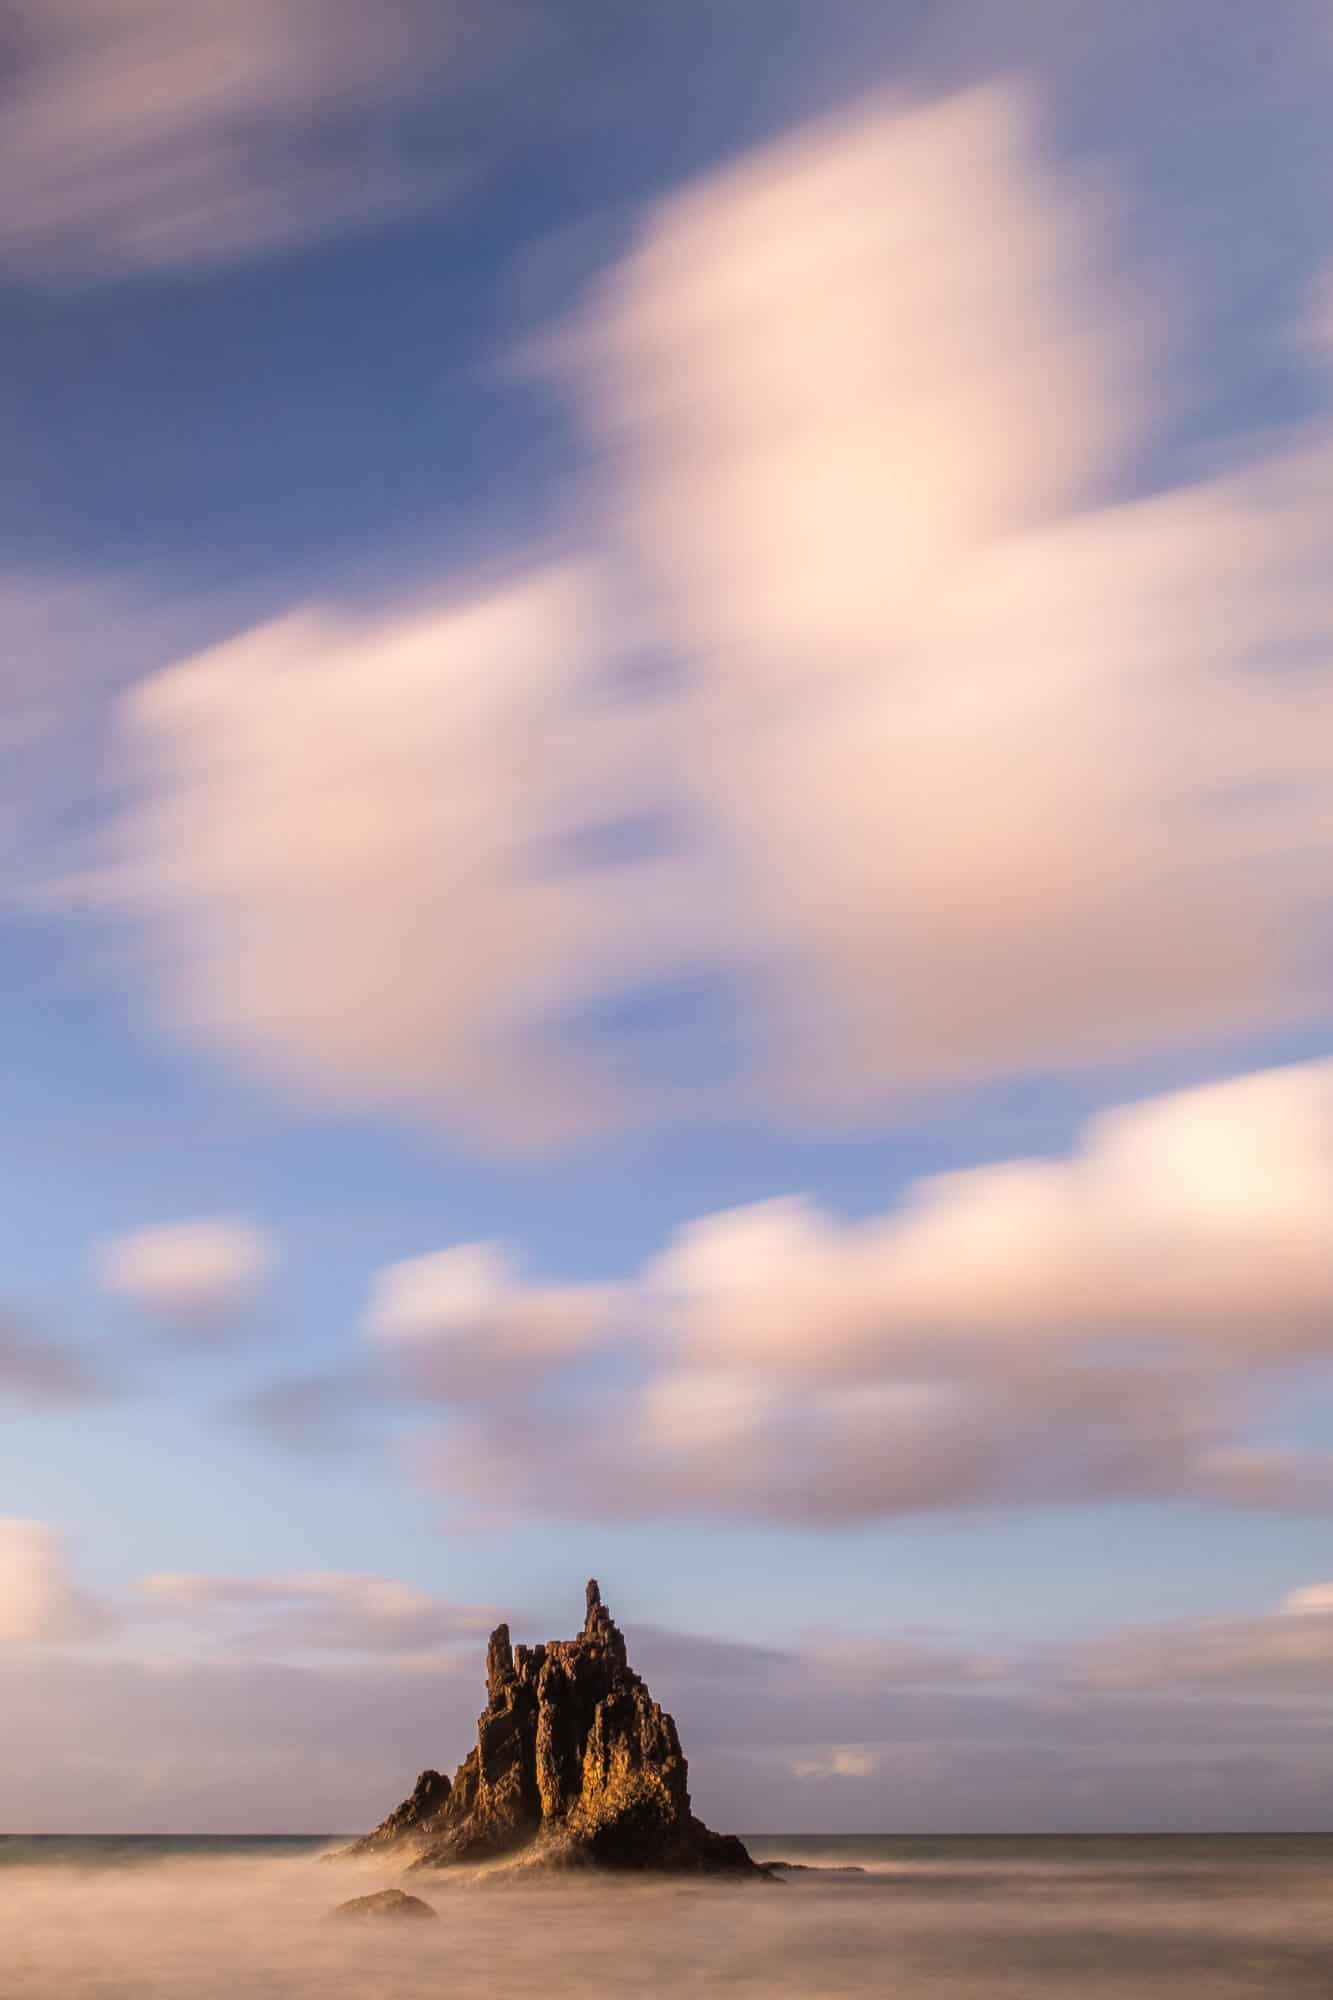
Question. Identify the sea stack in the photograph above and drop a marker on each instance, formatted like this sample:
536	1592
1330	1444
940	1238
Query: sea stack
574	1763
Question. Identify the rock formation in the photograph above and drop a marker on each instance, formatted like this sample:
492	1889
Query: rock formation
574	1762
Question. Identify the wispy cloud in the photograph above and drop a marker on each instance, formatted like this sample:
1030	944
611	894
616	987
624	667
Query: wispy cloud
930	795
321	882
1281	1653
321	1611
139	134
866	399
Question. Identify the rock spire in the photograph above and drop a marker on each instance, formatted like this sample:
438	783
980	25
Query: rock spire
574	1762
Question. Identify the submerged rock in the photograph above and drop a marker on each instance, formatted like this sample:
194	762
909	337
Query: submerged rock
816	1868
574	1763
384	1903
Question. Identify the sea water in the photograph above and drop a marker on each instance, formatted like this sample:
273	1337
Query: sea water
1015	1919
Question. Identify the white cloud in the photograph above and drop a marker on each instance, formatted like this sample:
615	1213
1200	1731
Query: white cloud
1313	1597
198	1271
40	1605
383	908
935	800
863	395
463	1322
141	134
1034	1331
840	1760
818	372
1199	1218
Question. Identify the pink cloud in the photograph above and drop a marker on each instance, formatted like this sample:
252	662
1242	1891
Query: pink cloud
946	809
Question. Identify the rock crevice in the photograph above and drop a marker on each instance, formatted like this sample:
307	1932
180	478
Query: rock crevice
574	1762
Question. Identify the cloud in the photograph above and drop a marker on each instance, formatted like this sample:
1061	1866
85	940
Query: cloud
67	642
310	1414
865	397
1287	1652
920	796
140	135
196	1273
323	1611
1102	1324
113	1744
840	1760
1316	1597
463	1323
826	1457
40	1605
1199	1218
44	1373
907	1660
385	909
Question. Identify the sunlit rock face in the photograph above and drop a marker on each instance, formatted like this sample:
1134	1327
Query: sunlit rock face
574	1763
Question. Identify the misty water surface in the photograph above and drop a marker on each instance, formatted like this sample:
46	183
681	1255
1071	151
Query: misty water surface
949	1919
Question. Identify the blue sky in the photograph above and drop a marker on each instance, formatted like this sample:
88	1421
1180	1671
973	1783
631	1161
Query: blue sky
665	888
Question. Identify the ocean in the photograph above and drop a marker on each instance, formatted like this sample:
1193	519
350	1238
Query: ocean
1138	1918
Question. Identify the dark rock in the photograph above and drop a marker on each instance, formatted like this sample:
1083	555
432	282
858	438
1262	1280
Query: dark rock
574	1763
384	1903
817	1867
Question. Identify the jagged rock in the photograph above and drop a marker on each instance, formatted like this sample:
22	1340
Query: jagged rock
429	1797
574	1763
384	1903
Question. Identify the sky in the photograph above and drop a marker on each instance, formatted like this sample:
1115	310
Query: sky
666	900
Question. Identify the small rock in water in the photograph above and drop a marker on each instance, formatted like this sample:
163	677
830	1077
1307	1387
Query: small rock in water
384	1903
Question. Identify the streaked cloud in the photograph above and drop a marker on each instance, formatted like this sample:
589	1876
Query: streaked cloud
924	799
322	1611
382	909
141	135
869	401
1286	1652
830	1457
